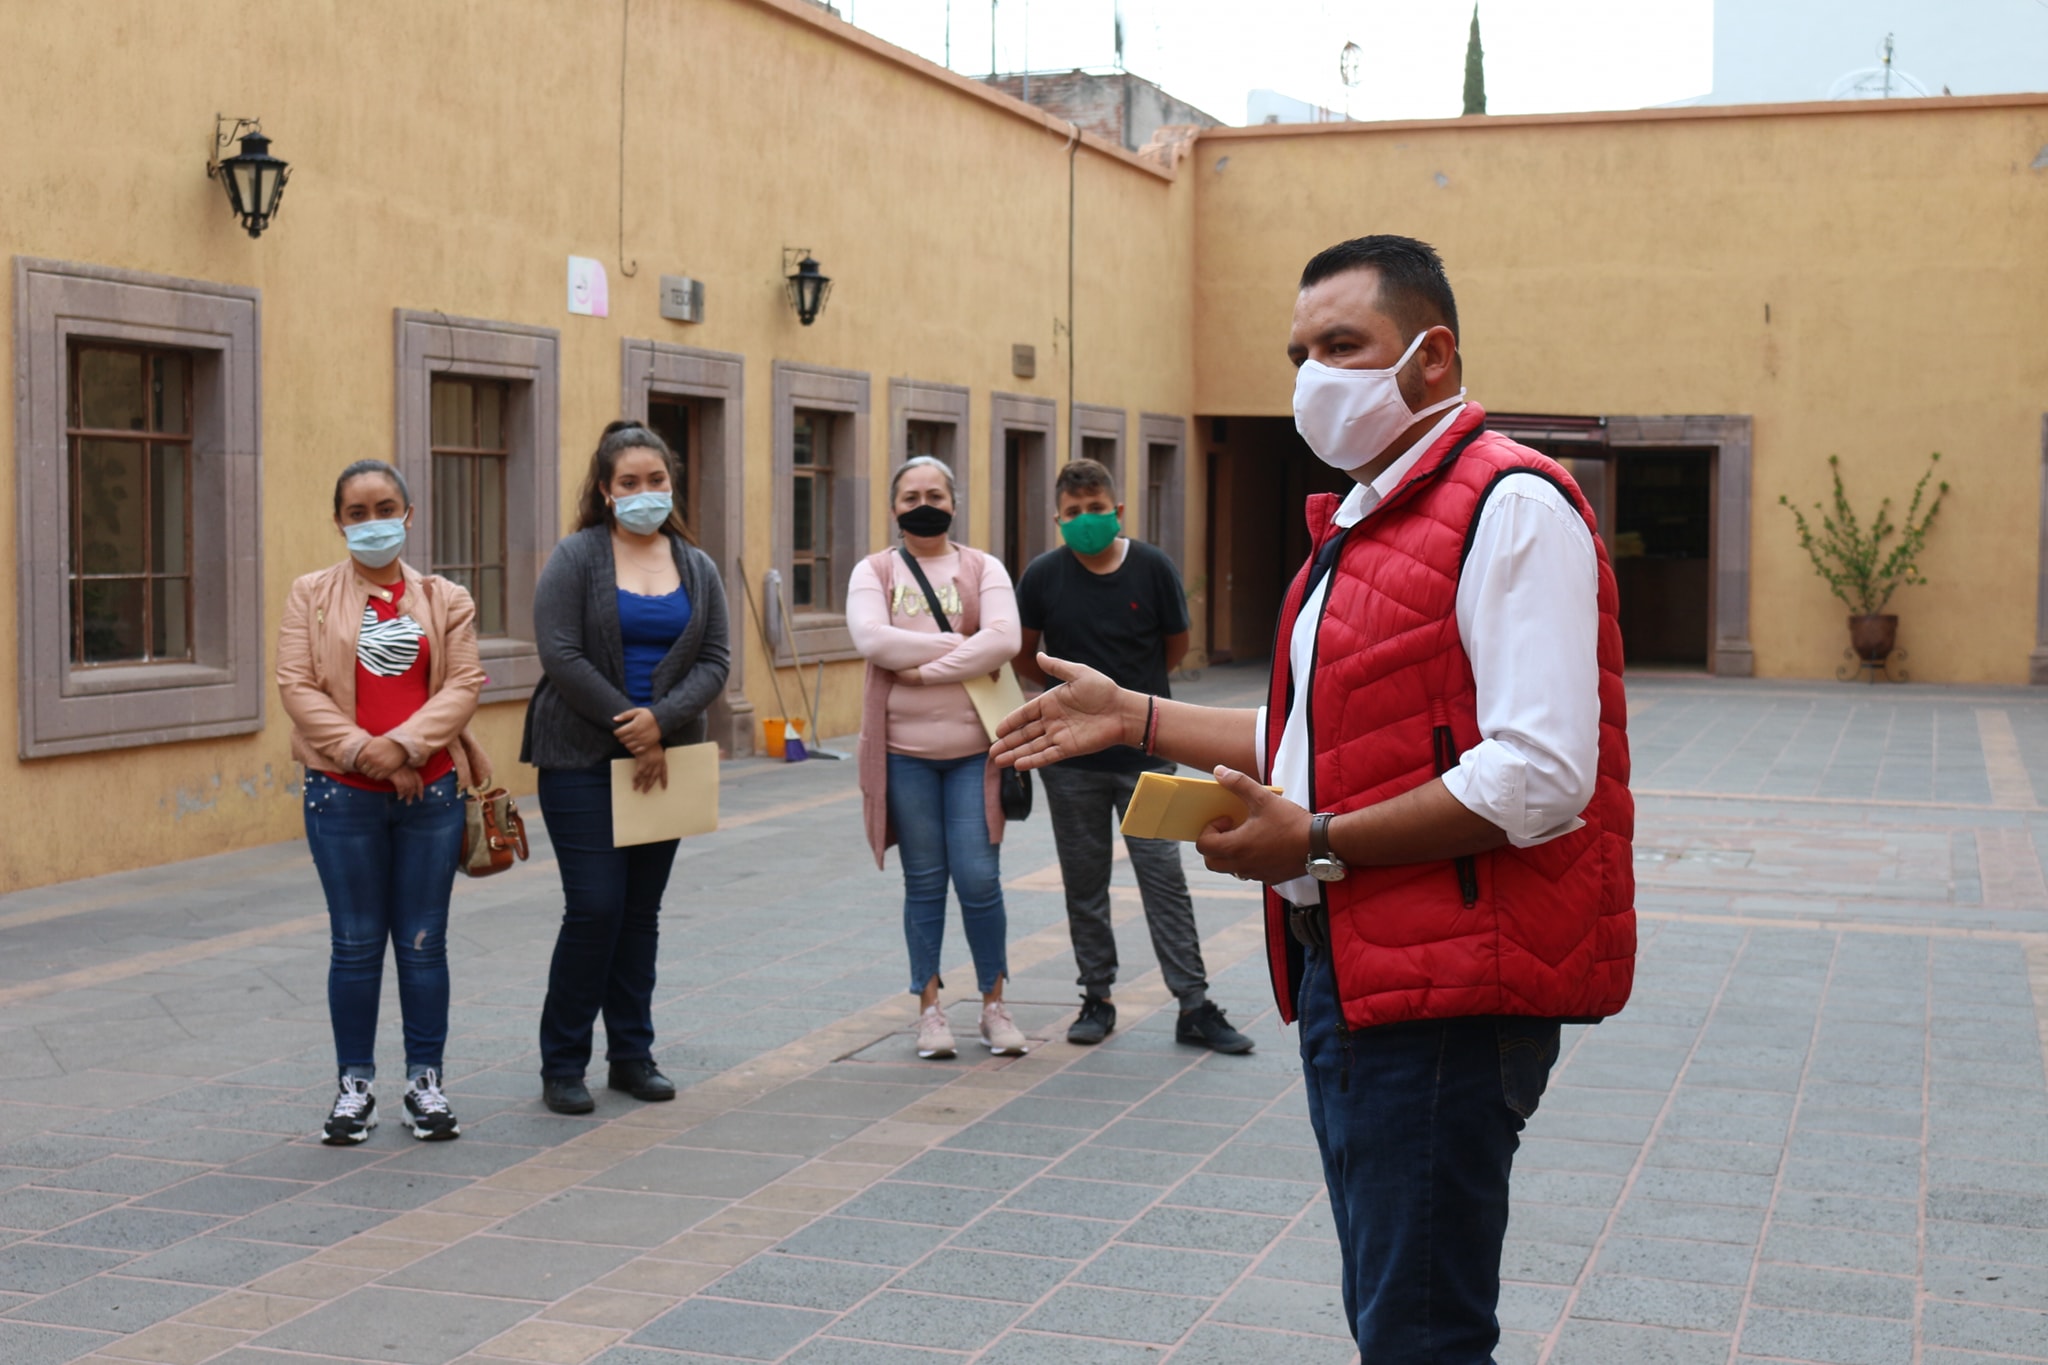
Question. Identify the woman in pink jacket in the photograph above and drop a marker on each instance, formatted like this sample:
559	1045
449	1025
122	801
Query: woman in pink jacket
925	778
377	667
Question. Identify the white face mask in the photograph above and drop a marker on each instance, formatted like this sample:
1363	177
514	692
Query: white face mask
1349	417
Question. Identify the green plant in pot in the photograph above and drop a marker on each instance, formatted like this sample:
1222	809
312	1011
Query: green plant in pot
1865	565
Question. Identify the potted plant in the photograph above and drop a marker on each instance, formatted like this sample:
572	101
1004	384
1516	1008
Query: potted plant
1856	564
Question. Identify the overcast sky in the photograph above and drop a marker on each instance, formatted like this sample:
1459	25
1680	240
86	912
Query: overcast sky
1541	55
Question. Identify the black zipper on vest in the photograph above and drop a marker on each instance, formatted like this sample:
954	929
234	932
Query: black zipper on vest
1447	759
1308	715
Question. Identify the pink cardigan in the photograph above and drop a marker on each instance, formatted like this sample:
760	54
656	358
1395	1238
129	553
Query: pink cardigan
874	715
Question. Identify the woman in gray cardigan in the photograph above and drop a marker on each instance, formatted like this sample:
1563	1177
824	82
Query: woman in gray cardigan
629	617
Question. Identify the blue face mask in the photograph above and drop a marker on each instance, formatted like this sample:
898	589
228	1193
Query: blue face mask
642	513
375	543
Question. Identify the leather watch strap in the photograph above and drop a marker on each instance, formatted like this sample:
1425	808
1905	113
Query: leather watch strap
1319	836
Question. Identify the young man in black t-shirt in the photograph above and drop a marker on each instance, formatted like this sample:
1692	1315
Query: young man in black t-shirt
1115	604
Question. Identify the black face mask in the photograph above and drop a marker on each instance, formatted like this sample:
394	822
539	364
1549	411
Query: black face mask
925	520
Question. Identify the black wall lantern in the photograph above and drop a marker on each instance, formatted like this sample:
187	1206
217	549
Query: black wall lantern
253	178
808	289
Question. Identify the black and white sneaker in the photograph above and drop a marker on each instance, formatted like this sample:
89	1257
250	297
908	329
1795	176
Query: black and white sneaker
426	1108
354	1114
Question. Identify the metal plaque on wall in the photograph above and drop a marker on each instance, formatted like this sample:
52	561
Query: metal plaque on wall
682	298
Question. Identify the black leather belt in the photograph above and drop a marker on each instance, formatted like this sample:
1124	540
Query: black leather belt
1310	925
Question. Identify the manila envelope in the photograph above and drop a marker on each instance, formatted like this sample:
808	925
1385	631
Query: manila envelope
994	698
1169	806
688	805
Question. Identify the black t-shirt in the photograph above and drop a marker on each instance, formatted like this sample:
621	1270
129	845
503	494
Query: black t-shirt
1116	622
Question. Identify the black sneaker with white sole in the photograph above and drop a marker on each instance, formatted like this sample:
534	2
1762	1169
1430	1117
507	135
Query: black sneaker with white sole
353	1116
426	1109
1097	1021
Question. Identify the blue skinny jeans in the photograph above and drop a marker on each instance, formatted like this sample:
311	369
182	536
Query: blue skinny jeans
941	826
387	868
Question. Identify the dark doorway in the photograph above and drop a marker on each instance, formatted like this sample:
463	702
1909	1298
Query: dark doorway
1260	474
1026	507
675	421
1662	544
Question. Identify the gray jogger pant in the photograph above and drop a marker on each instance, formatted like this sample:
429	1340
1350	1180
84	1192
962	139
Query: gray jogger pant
1085	808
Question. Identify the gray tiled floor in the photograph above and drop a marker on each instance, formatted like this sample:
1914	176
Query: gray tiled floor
1818	1133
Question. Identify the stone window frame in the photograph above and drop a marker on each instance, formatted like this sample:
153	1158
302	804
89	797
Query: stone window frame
816	636
1008	412
1728	437
1094	419
429	344
66	709
717	379
917	400
1170	532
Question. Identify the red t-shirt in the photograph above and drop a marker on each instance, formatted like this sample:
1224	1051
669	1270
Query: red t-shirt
391	681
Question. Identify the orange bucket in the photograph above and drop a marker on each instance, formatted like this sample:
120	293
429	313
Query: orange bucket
775	730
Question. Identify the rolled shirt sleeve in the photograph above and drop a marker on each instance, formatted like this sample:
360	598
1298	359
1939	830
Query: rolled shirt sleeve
1529	618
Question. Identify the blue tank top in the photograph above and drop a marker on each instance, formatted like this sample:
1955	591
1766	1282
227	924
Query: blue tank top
649	628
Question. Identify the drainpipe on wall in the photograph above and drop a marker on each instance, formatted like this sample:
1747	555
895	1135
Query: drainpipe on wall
1073	149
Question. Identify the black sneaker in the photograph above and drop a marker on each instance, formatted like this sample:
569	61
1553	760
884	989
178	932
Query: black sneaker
353	1116
1205	1026
642	1080
566	1094
427	1108
1097	1021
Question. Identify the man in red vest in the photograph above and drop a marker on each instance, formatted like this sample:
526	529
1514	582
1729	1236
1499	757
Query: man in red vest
1448	865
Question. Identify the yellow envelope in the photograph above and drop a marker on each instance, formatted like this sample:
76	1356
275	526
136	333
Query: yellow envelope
1169	806
994	698
688	805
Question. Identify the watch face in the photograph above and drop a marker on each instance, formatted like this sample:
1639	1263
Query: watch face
1327	869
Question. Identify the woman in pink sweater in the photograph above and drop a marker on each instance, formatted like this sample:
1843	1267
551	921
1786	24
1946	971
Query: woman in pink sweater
926	782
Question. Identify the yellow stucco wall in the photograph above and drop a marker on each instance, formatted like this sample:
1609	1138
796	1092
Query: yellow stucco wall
451	156
1621	265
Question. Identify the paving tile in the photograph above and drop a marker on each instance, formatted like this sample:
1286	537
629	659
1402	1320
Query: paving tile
511	1268
216	1260
1981	1328
834	1351
1038	1348
800	1283
122	1175
974	1170
38	1268
1016	1139
927	1320
1660	1303
1833	1338
113	1303
1673	1259
1121	1315
1124	1165
396	1325
1083	1198
308	1225
1210	1344
1203	1230
1036	1234
1613	1343
377	1188
1286	1305
902	1202
786	1134
864	1240
131	1229
35	1210
984	1275
1237	1195
611	1217
670	1170
1835	1291
1841	1248
223	1194
24	1343
719	1327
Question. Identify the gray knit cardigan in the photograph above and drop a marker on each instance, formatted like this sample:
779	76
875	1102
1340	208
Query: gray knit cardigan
576	628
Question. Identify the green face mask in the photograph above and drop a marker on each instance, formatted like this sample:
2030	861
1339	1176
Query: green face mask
1090	533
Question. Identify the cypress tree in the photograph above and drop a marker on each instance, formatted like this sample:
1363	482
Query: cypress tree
1475	70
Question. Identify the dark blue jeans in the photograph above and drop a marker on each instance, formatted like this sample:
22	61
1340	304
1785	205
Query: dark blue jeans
938	808
387	868
1417	1143
604	954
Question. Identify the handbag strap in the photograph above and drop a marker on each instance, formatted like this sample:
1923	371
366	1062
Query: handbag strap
931	599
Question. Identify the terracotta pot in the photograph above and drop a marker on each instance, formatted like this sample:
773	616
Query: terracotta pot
1873	637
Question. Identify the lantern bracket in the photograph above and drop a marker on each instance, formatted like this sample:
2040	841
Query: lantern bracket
226	133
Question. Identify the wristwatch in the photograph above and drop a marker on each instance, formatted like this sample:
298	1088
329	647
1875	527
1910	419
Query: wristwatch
1324	865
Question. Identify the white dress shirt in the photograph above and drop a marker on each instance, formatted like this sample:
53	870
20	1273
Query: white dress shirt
1529	619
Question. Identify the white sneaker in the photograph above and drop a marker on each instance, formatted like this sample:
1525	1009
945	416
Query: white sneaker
934	1037
999	1031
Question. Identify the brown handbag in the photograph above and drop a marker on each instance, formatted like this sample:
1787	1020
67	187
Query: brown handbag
493	835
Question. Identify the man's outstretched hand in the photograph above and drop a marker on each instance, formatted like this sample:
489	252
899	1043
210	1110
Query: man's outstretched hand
1083	715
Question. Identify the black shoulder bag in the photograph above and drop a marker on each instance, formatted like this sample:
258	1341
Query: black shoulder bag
1013	787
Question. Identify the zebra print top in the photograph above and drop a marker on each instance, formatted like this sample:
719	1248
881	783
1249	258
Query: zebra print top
388	648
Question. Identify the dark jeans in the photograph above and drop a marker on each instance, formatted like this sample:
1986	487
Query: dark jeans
387	868
604	955
1417	1146
1086	809
941	817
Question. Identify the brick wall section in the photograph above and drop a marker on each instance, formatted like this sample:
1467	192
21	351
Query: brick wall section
1117	107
